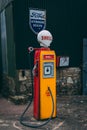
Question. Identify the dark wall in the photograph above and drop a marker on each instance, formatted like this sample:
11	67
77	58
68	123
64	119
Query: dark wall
10	41
66	20
0	63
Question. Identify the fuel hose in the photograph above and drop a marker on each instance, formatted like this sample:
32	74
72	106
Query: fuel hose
42	124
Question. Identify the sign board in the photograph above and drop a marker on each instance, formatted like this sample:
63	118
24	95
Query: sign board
37	20
48	57
64	61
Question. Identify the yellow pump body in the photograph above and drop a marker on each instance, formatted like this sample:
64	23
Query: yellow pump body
46	78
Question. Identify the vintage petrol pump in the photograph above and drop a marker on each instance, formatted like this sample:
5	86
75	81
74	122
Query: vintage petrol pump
44	75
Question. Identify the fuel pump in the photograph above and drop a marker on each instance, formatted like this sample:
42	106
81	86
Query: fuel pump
44	80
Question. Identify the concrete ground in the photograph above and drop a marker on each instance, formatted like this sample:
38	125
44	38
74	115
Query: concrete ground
71	115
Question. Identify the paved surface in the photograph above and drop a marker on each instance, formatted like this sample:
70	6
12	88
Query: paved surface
71	115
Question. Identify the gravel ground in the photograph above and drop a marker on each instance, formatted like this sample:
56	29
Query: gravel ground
71	114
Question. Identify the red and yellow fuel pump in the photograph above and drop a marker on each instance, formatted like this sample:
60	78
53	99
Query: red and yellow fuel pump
44	78
44	73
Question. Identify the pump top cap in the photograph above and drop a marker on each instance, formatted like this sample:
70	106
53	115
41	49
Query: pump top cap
45	38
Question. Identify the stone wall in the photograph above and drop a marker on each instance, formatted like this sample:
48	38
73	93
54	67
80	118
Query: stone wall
69	81
20	85
17	89
8	86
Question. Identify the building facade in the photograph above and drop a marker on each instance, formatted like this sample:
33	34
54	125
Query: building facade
66	20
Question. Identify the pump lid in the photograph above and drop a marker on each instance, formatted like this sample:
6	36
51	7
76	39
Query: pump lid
45	38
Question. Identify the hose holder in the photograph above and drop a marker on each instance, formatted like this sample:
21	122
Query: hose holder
30	49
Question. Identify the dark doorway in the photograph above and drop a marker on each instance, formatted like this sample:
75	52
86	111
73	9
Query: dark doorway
85	66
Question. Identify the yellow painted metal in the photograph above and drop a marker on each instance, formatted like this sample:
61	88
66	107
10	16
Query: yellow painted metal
46	104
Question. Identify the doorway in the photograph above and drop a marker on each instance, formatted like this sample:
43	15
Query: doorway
85	66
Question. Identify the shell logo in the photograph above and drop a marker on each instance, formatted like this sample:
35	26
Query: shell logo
47	93
46	38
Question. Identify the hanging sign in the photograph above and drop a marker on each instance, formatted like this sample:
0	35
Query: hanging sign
37	20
